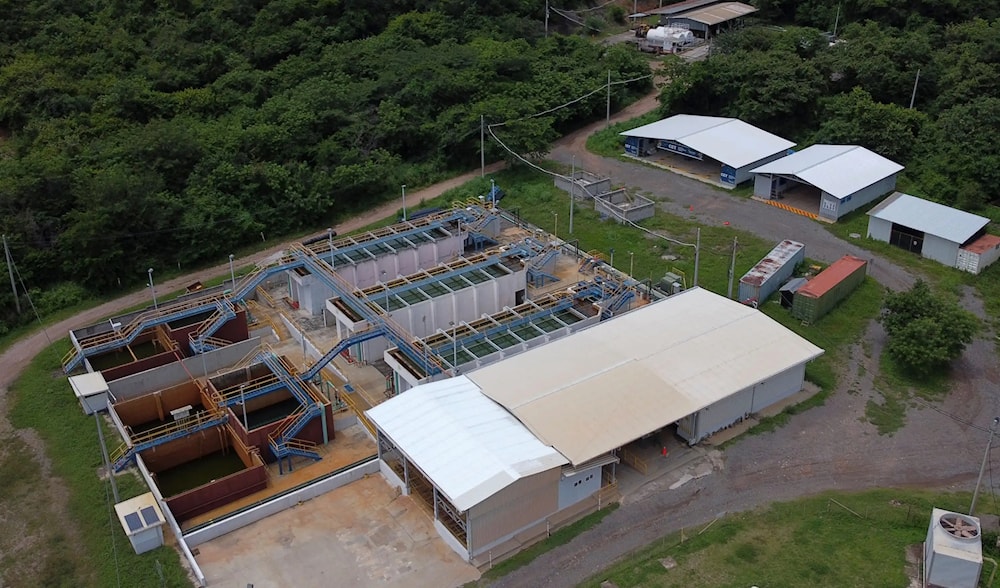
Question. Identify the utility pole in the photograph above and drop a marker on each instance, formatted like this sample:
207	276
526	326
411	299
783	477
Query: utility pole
732	268
913	96
607	116
482	146
572	194
104	456
982	468
836	22
10	270
697	253
546	18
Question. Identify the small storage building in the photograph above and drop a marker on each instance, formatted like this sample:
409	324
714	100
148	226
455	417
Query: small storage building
827	289
736	146
91	391
978	255
787	292
708	21
769	273
935	231
143	521
827	180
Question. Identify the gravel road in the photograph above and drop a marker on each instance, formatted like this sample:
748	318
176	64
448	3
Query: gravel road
827	448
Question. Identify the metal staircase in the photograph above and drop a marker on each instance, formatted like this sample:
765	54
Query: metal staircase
536	273
282	441
225	311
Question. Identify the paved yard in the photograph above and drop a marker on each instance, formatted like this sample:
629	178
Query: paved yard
359	535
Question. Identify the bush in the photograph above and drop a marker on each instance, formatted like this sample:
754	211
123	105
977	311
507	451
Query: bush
617	14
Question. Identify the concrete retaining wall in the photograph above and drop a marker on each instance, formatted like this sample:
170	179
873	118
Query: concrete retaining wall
252	515
178	372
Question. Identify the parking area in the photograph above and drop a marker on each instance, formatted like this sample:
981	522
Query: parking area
360	535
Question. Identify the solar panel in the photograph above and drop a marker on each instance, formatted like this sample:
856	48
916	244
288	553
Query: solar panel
133	522
149	515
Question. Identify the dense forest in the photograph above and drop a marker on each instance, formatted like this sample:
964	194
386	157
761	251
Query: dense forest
792	79
165	133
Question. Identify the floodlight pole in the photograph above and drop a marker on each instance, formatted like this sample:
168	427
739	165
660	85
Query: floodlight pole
982	467
404	202
482	142
151	289
232	272
243	403
697	253
630	266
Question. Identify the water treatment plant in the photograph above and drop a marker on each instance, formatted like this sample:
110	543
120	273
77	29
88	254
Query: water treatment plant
461	358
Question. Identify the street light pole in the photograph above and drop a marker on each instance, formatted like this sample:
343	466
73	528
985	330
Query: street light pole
243	403
555	230
630	266
151	289
232	272
572	194
404	202
612	258
454	348
982	467
329	239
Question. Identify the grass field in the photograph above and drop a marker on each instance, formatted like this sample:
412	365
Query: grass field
38	550
832	540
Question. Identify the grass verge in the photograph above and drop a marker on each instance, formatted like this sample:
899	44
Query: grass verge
101	555
790	544
560	537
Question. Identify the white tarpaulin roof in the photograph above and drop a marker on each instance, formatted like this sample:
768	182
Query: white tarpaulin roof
728	140
607	385
932	218
467	444
838	170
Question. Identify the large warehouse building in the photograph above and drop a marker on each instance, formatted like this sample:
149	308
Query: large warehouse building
947	235
827	181
505	448
720	150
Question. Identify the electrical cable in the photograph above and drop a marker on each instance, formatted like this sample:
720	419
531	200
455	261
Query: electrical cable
111	520
30	301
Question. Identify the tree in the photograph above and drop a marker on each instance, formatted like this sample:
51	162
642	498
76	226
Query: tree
926	332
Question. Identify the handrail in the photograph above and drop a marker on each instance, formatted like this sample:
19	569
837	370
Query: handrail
349	401
249	386
191	422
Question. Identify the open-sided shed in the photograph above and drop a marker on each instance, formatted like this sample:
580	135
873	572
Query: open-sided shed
827	180
736	146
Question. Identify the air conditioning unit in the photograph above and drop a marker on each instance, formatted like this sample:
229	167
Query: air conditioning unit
953	552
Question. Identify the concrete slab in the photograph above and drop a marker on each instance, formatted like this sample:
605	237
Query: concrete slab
360	535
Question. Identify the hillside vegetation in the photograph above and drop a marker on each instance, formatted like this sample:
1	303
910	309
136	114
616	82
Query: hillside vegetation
165	134
792	80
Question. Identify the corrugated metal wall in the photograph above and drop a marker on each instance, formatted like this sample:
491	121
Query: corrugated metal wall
517	506
812	309
940	250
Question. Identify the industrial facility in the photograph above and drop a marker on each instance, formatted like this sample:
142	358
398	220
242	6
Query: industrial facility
463	354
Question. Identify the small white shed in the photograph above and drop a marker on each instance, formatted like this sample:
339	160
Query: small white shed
142	520
934	231
91	391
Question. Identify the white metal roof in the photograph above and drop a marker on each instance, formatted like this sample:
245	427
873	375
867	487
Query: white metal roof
838	170
936	219
89	384
604	386
728	140
467	444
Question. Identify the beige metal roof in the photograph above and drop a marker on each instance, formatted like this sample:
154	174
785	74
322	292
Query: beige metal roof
88	384
604	386
139	513
713	15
